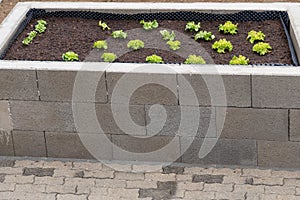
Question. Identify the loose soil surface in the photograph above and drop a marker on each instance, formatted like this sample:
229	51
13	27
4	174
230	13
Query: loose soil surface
77	34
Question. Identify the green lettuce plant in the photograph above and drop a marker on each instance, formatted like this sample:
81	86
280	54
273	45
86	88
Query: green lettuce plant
154	59
70	56
174	45
135	44
222	45
207	36
149	25
255	36
40	27
109	57
167	35
241	60
262	48
191	26
228	27
29	38
119	34
100	44
194	59
103	25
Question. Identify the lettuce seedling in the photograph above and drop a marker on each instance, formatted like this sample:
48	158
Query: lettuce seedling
191	26
29	38
174	45
103	25
228	27
262	48
149	25
222	45
100	44
193	59
70	56
241	60
43	22
167	35
255	36
135	44
207	36
40	27
119	34
109	57
154	59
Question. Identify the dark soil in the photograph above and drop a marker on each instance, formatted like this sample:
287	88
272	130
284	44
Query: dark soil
76	34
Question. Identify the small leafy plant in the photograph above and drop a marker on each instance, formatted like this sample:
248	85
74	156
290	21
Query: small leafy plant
100	44
255	36
191	26
262	48
174	45
149	25
228	27
70	56
135	44
193	59
167	35
154	59
207	36
109	57
40	27
103	25
222	45
29	38
241	60
119	34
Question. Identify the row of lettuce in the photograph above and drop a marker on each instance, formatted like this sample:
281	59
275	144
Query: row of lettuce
221	46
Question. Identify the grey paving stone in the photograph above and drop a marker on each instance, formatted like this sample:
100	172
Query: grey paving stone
278	154
70	145
145	93
2	178
169	185
208	87
18	84
29	143
181	120
173	169
276	91
59	85
207	178
249	123
7	163
42	116
39	172
295	125
155	194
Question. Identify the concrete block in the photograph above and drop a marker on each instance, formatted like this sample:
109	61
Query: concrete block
152	149
5	119
29	143
59	85
223	151
278	154
295	125
142	88
42	116
217	90
70	145
276	91
181	120
249	123
6	144
18	84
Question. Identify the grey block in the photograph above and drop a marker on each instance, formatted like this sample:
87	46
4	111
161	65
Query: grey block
295	125
18	84
249	123
181	120
220	151
39	172
59	85
164	93
29	143
207	178
70	145
278	154
7	163
152	149
42	116
6	143
276	91
209	90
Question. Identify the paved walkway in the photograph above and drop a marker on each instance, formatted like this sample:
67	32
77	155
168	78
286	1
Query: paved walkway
57	180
